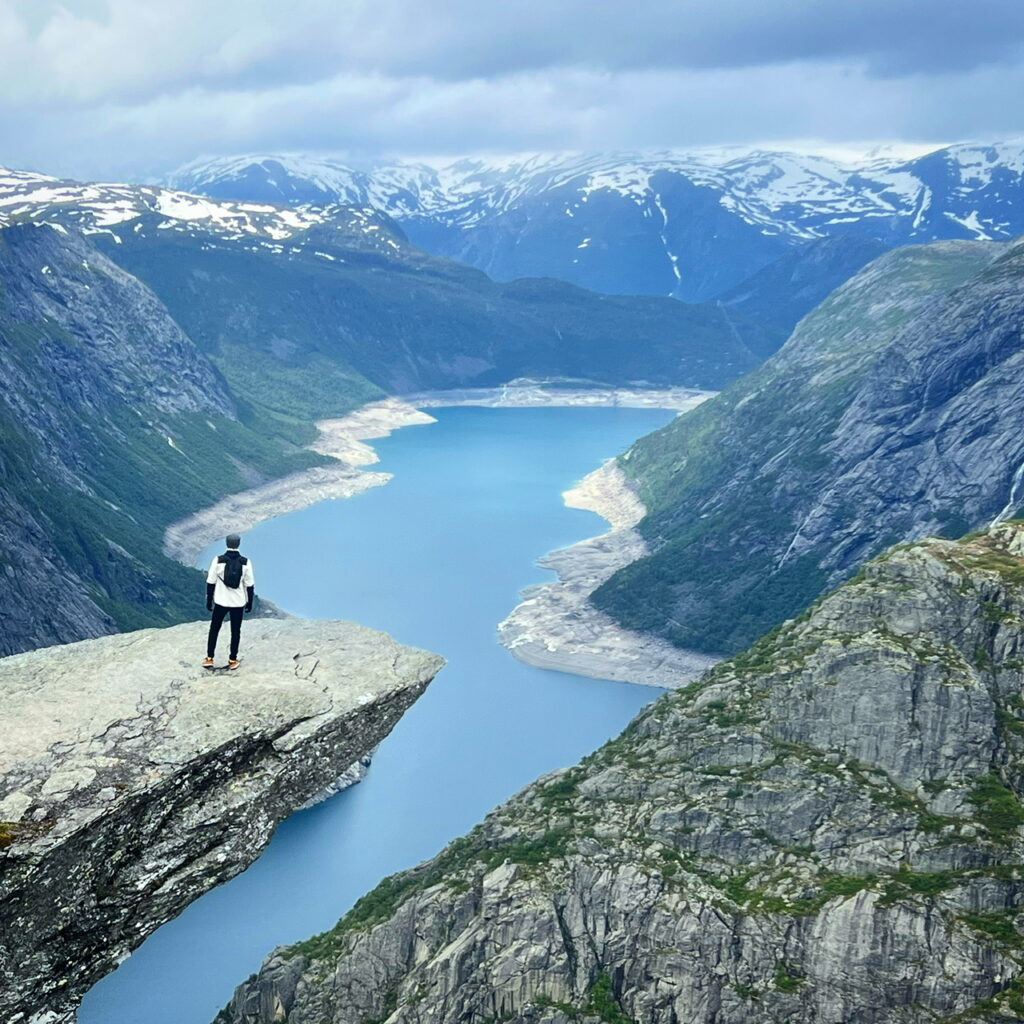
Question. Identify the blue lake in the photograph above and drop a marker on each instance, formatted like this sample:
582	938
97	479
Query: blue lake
436	558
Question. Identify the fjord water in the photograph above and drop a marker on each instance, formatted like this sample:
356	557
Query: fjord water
436	558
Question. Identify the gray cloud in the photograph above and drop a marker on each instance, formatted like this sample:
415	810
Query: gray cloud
119	87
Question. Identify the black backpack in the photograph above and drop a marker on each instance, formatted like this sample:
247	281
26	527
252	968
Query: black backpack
233	564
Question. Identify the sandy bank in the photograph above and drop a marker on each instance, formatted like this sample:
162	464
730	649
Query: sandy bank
341	439
528	392
555	626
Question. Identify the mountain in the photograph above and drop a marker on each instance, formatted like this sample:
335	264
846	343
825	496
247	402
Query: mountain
299	289
113	424
789	287
825	828
692	224
891	412
160	350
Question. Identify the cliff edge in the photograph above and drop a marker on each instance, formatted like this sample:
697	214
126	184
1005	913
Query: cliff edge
131	781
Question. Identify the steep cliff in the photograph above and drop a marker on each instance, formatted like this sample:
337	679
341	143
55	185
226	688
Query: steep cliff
891	412
131	782
826	828
113	424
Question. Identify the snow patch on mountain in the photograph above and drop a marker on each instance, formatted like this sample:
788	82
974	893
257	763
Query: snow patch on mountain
95	208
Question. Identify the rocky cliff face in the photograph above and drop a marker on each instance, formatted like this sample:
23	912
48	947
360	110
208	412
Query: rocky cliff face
891	412
827	828
113	423
131	781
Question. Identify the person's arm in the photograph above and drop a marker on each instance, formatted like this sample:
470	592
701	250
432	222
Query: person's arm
249	582
211	584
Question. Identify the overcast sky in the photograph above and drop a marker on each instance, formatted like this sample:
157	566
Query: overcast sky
132	88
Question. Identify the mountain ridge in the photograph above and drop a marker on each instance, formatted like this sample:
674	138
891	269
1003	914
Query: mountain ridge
891	412
692	224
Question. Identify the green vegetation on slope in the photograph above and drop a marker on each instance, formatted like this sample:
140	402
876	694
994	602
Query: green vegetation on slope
356	322
729	485
112	426
140	482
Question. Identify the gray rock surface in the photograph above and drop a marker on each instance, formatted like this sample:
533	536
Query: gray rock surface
826	829
131	780
78	336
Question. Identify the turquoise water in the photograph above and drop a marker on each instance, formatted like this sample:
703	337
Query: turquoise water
436	558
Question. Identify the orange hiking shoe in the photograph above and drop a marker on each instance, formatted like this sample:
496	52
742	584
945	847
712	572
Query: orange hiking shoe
207	662
233	662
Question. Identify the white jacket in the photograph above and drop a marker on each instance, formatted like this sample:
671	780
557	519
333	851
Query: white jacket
225	596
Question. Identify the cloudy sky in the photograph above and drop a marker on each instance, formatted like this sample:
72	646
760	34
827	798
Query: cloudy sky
132	88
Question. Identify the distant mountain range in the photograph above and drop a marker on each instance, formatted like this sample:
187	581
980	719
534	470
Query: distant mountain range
694	225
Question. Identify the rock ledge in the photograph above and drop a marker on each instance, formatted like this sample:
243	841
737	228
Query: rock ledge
131	781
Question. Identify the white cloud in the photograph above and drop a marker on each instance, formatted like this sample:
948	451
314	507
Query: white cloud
114	87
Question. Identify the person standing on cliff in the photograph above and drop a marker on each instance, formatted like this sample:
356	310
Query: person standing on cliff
230	588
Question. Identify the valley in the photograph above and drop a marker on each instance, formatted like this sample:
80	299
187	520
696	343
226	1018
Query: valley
803	433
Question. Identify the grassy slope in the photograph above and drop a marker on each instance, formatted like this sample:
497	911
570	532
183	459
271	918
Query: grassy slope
89	478
112	538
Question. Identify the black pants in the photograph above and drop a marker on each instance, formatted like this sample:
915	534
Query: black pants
219	611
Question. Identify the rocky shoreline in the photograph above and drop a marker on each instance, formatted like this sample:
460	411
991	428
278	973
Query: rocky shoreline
340	439
528	392
556	627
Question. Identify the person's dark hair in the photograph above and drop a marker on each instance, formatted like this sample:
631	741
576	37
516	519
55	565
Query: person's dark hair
233	540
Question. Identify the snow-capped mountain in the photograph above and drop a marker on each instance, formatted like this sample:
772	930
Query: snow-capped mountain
115	209
688	223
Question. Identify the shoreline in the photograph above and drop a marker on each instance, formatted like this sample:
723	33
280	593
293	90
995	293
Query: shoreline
528	392
555	627
340	439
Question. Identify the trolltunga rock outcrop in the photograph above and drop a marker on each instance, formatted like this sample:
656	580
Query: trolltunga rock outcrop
131	781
